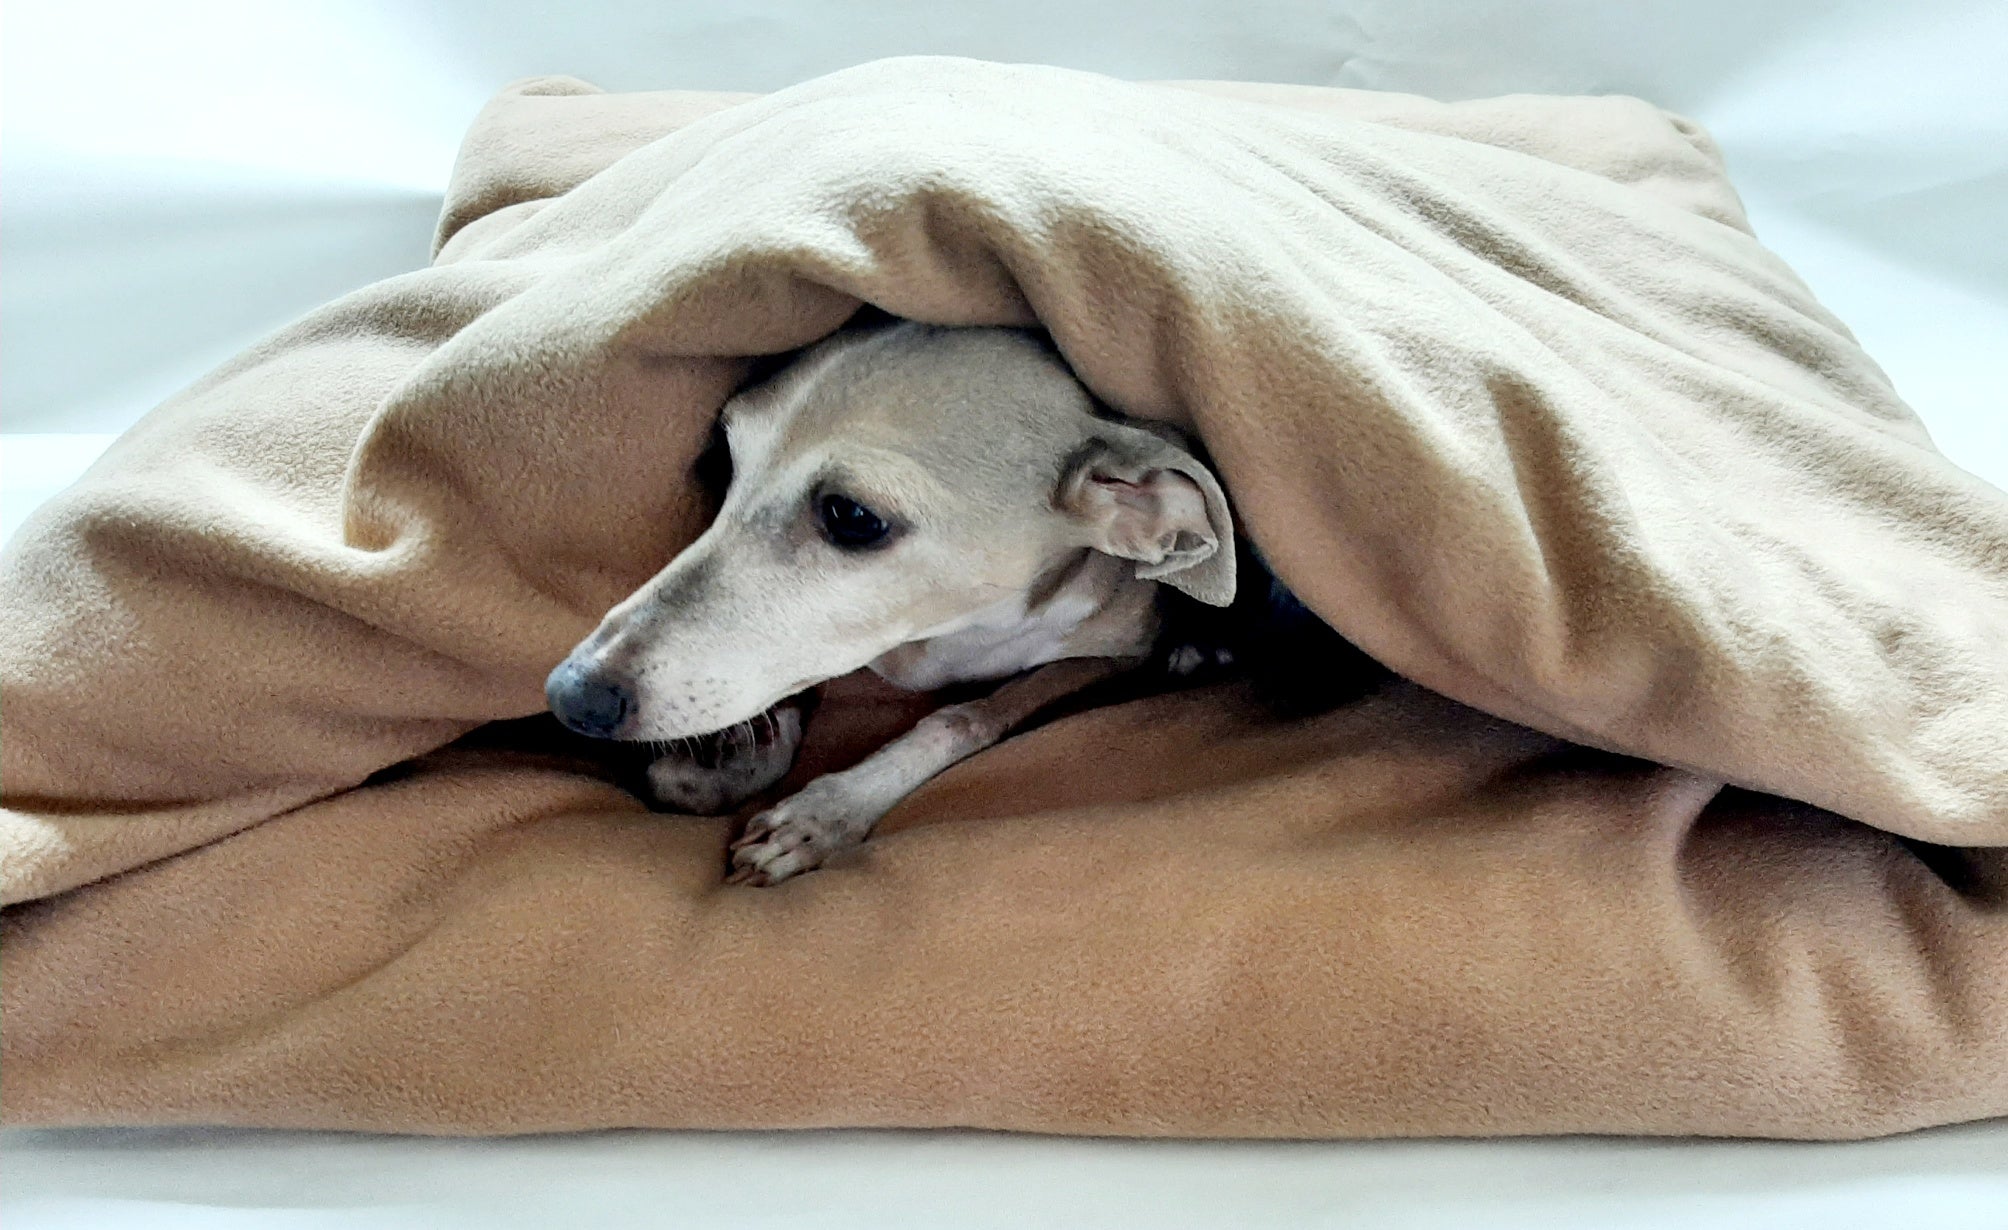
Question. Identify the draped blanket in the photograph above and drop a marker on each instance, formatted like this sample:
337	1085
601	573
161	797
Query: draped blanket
1688	817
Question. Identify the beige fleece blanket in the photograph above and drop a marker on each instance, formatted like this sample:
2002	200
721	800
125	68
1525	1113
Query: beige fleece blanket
1707	837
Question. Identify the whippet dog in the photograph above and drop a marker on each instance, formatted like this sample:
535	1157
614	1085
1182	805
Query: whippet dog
940	505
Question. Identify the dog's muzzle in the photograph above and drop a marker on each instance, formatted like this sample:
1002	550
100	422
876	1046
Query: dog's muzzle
587	703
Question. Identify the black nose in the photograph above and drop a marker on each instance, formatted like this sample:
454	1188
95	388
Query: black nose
586	702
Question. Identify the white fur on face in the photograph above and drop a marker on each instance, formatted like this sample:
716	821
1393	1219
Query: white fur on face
957	438
1028	536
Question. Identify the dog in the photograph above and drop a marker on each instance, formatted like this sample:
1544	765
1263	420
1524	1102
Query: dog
942	506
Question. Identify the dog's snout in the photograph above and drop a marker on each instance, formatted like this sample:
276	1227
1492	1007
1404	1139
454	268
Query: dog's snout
587	702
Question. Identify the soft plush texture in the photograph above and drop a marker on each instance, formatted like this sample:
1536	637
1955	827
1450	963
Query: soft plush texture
1707	837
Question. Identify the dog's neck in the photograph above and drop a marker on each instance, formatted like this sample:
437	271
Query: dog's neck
1092	606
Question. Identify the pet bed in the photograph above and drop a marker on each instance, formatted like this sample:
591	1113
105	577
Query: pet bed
1690	820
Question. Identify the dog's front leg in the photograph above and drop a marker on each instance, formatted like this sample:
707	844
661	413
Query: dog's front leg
837	810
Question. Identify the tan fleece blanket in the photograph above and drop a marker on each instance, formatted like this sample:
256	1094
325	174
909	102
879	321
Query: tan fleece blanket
1707	837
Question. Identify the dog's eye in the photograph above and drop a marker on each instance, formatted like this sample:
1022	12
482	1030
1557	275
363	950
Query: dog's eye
850	524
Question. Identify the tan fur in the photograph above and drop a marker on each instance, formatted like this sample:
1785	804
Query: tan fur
1031	528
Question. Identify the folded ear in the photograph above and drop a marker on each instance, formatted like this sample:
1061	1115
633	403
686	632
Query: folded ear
1139	496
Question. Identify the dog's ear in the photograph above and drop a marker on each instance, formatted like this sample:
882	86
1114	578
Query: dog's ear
1142	497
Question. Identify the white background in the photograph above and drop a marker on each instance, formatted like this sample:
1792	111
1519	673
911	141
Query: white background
182	178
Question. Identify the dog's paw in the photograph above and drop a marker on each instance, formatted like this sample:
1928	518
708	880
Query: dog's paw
680	784
797	834
714	774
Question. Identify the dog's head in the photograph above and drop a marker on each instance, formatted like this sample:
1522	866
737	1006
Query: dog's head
893	485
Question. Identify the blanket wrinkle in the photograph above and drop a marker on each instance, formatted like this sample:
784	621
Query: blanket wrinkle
1689	815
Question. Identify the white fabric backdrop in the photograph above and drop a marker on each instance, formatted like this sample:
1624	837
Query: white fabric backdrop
182	178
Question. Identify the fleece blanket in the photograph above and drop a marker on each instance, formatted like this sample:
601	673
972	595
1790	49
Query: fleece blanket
1688	815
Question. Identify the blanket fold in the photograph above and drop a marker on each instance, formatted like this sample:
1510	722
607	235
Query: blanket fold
1691	820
